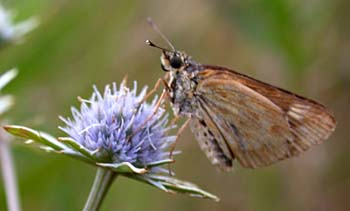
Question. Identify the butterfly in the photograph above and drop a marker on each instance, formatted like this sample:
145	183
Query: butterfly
236	117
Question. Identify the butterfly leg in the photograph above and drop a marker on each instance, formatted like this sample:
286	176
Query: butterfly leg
175	119
152	91
164	94
156	86
179	132
156	107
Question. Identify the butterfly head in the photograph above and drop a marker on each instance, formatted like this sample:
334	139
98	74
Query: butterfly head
171	60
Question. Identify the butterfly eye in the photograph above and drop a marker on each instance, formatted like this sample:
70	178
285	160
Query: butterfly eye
175	62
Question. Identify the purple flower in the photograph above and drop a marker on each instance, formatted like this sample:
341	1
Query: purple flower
118	132
118	127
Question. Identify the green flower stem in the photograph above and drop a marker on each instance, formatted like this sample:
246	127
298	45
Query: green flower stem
103	180
9	176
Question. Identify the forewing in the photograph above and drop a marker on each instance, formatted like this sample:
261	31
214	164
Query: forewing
261	123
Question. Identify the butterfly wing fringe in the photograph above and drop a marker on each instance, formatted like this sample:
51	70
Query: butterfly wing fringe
310	125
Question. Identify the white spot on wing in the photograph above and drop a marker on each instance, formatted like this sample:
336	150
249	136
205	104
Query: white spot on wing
298	111
295	115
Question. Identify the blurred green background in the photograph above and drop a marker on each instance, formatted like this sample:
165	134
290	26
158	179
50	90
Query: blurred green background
303	46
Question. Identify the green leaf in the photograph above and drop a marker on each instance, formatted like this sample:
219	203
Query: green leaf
123	168
128	168
47	142
171	185
160	162
36	136
71	143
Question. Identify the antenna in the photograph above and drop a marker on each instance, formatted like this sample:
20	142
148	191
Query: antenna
155	28
150	43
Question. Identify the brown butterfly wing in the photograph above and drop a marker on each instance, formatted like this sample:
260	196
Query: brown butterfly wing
260	123
212	142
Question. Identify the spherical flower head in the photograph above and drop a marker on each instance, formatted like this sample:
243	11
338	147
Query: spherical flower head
120	133
119	127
